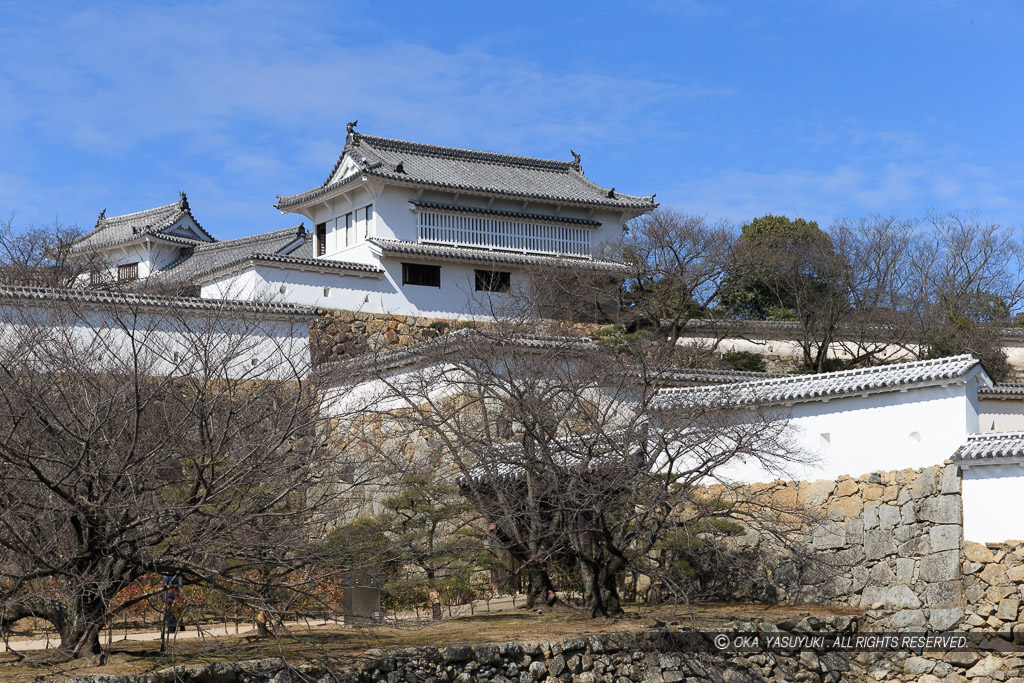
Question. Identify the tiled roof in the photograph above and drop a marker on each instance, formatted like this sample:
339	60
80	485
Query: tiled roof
740	327
287	246
314	262
467	170
111	230
104	298
206	258
827	385
1003	390
743	325
991	447
390	247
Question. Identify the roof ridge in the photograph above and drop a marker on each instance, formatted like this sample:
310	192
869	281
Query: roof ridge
855	372
985	436
137	214
325	262
462	152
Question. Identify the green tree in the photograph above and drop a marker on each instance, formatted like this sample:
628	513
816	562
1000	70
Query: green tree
427	521
782	269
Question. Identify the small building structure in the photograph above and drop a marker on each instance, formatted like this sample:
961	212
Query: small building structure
447	227
865	420
1001	407
992	474
400	228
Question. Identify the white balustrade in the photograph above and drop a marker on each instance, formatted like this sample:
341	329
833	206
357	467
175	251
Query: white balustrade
505	233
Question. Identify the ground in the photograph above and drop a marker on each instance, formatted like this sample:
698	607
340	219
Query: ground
338	645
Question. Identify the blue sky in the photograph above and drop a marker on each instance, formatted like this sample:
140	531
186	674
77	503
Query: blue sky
730	109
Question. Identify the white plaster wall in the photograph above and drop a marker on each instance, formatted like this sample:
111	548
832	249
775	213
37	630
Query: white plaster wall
392	217
991	497
879	432
1001	415
1014	348
787	348
456	298
160	341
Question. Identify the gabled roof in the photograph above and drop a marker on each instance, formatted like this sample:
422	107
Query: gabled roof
110	299
390	247
828	385
111	230
990	447
466	170
291	246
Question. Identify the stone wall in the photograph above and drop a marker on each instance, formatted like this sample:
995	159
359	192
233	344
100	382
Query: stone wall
347	334
659	656
886	542
993	578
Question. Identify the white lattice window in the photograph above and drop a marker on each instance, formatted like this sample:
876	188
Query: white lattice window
506	233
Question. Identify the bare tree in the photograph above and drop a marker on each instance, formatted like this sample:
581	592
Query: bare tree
877	256
676	262
967	281
38	255
153	436
563	448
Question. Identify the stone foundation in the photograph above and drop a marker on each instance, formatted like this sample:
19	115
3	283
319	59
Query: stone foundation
887	542
346	334
993	578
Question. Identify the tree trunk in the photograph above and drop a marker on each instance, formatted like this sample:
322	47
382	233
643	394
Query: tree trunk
80	631
539	589
78	620
601	590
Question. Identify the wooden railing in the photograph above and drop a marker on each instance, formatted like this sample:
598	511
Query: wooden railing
509	234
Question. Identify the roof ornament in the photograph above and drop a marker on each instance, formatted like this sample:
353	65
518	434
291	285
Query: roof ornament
576	161
611	193
184	200
103	215
400	167
350	127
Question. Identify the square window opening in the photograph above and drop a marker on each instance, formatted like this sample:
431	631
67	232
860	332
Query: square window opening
493	280
421	275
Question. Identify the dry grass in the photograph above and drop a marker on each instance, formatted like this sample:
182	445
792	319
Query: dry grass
336	645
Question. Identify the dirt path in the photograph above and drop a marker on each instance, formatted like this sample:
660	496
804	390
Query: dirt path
220	630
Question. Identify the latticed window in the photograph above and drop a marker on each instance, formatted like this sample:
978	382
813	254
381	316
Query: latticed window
128	271
421	275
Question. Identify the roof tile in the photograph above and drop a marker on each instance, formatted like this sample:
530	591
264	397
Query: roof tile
991	447
471	171
99	297
799	388
111	230
390	247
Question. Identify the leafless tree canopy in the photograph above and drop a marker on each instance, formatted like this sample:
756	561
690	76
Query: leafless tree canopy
676	261
558	443
873	287
38	255
140	440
